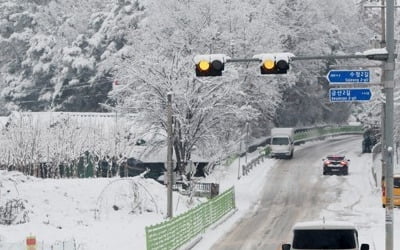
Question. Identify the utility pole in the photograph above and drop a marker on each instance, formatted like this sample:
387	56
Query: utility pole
389	66
240	152
383	113
169	156
247	140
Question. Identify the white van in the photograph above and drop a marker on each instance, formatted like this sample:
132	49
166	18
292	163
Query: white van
282	142
321	235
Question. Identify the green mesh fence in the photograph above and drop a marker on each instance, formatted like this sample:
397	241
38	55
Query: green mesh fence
327	131
181	229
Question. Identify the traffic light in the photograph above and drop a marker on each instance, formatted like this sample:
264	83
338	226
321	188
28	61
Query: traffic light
274	63
210	65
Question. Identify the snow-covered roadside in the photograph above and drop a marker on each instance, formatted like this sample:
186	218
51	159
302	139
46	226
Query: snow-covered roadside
102	213
247	192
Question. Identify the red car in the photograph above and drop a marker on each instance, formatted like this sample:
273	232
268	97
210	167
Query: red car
336	164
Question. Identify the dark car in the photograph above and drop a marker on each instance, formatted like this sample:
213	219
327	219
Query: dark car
336	164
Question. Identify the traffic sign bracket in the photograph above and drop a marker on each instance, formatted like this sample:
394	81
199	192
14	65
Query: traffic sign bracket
356	84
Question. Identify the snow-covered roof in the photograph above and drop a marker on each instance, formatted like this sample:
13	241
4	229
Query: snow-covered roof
105	121
211	57
106	124
274	56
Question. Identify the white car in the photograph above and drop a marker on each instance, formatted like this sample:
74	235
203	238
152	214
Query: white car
323	235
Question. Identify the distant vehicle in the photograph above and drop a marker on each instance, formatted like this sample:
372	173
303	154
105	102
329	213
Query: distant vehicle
282	142
323	235
336	164
396	191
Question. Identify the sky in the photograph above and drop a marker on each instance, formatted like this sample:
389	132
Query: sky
97	213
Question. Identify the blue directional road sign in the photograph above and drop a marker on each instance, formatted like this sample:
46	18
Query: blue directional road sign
348	76
349	95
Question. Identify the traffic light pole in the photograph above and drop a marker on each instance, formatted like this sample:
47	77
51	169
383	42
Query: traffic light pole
389	66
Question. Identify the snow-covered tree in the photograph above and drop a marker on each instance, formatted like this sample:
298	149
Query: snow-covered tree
166	65
53	145
317	28
52	51
206	113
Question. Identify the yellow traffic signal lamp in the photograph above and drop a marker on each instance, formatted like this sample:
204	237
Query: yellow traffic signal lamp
268	64
277	63
204	66
210	65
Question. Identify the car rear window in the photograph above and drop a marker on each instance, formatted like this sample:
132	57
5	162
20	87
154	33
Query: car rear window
335	158
324	239
396	183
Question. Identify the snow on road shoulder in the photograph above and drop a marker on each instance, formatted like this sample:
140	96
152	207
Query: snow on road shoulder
247	194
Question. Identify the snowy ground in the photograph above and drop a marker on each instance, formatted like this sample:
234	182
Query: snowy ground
85	213
112	213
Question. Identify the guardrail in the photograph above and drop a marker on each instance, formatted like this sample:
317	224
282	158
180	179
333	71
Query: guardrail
306	134
246	168
203	189
322	132
181	229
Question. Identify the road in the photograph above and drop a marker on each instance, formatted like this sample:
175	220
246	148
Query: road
293	192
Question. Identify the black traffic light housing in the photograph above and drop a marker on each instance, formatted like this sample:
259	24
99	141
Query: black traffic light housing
215	68
210	65
274	63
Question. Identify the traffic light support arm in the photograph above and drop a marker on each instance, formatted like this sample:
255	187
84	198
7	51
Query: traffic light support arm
243	60
377	57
